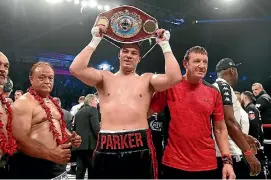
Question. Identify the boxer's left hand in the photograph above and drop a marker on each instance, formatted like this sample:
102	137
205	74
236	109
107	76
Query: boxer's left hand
75	140
162	35
227	172
162	39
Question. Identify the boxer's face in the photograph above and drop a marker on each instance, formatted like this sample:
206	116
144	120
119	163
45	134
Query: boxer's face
94	102
129	57
197	65
17	94
256	90
4	66
42	79
234	73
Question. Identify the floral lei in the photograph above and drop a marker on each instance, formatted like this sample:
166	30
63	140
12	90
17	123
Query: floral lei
50	117
7	144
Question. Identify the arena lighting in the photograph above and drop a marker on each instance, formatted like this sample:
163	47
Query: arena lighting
100	7
105	66
84	4
106	7
233	20
54	1
76	2
92	3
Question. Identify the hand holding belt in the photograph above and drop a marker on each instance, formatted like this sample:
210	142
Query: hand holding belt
162	39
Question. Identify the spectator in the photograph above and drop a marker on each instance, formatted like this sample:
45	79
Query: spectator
75	108
87	126
67	115
18	93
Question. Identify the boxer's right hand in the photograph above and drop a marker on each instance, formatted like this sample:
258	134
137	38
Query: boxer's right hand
61	154
97	35
98	31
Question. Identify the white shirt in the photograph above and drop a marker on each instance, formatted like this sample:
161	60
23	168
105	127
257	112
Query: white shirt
75	108
244	121
229	98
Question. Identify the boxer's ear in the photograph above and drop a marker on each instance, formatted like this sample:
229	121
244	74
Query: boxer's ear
31	79
185	63
139	59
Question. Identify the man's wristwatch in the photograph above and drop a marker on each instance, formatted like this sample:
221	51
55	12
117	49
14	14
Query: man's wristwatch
226	159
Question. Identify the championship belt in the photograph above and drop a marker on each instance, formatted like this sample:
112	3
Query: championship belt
127	24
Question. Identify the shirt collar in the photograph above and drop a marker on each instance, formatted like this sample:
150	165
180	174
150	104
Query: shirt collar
223	80
220	79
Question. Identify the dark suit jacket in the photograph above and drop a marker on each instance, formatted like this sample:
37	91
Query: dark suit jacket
68	119
87	125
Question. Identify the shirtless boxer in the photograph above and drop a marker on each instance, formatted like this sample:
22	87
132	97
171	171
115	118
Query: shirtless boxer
7	142
124	144
43	139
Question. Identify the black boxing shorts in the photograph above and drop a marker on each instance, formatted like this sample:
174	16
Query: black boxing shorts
26	167
125	154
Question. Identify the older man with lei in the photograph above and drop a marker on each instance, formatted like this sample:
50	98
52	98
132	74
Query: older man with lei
40	130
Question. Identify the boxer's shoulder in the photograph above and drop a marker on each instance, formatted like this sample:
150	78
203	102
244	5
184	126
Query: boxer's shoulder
106	73
24	102
147	75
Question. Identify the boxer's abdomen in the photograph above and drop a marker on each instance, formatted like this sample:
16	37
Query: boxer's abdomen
123	116
41	132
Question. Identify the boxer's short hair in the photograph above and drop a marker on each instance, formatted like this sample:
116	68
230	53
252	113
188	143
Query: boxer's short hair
258	84
249	95
137	44
21	91
89	98
195	49
41	63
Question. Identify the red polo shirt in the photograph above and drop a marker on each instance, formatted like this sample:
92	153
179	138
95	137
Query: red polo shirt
190	145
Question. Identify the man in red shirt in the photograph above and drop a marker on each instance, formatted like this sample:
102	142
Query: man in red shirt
190	149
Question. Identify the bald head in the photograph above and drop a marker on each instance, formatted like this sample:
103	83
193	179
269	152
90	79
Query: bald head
2	55
4	68
257	88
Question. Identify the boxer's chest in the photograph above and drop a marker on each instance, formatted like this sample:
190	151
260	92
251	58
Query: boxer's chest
40	114
127	87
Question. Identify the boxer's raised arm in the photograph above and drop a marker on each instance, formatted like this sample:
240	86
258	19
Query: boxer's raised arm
173	75
21	125
79	67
